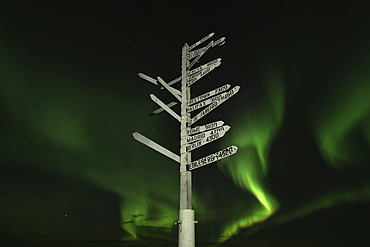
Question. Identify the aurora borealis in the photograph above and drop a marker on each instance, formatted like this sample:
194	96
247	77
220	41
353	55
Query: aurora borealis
70	99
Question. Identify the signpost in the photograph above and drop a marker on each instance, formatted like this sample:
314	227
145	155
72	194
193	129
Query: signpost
192	138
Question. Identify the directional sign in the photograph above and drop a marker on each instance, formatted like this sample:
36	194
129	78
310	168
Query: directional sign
195	53
206	102
215	104
219	42
164	106
204	135
192	54
201	41
196	74
148	78
159	110
154	81
210	138
191	131
172	90
209	94
213	157
155	146
201	54
215	63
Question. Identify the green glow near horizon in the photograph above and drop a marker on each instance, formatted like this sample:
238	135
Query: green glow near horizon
249	167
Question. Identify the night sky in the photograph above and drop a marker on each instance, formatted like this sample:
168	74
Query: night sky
70	99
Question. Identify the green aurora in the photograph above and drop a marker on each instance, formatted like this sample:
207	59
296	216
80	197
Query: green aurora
49	117
72	171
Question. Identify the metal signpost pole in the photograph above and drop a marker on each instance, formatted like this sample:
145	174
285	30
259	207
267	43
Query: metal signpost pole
186	213
192	137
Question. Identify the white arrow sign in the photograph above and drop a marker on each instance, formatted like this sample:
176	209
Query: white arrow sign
209	94
148	78
201	54
206	102
191	131
204	141
154	81
215	104
215	63
172	90
200	41
159	110
191	79
165	107
213	157
219	42
155	146
195	53
205	135
192	54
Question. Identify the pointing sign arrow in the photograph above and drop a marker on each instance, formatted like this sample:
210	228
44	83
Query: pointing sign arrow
213	157
200	41
206	102
172	90
215	63
164	106
191	131
192	54
210	44
207	139
215	104
207	134
154	81
148	78
159	110
218	42
155	146
209	94
195	53
195	74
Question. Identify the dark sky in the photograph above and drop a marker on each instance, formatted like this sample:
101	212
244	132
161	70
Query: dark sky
70	99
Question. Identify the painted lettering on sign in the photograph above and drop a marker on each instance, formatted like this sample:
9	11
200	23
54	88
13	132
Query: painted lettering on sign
195	74
204	112
213	63
191	131
195	53
200	41
195	137
193	146
211	107
213	157
196	106
208	135
220	41
208	101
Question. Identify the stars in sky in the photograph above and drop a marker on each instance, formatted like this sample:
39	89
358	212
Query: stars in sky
70	99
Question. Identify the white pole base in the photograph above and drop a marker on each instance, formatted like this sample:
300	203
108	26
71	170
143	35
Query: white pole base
186	228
